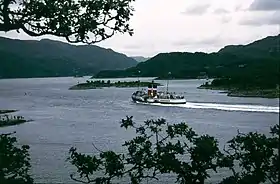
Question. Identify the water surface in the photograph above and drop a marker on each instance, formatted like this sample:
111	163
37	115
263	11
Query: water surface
65	118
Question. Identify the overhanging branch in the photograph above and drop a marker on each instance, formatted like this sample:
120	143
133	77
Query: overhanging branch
9	27
35	19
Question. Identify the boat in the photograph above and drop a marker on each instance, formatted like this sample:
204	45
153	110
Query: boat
153	96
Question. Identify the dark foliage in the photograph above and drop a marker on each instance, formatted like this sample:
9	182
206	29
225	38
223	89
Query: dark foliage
77	21
47	58
14	161
161	148
257	156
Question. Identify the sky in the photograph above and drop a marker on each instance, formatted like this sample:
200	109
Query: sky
190	26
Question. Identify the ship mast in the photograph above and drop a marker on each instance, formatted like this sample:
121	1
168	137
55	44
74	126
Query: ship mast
169	73
278	40
138	79
277	49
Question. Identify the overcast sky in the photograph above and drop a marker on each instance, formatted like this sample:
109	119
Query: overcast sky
192	25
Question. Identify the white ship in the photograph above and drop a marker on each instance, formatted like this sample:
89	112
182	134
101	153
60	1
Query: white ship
153	96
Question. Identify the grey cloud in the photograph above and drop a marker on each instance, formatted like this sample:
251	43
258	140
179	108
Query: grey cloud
197	9
138	46
273	19
220	11
133	46
215	40
225	19
238	7
224	15
265	5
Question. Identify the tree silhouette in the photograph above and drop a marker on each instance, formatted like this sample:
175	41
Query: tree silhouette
14	161
76	20
161	148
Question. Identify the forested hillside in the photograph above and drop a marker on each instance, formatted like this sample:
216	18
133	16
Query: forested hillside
46	58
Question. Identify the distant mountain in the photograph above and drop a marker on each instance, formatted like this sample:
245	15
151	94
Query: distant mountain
259	59
46	58
264	48
140	58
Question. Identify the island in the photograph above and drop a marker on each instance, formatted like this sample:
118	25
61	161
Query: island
236	88
7	111
105	84
9	120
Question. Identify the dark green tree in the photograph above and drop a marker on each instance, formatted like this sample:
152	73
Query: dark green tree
14	161
257	158
161	148
76	20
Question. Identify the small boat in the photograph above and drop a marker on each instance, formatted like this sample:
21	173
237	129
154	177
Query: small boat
153	96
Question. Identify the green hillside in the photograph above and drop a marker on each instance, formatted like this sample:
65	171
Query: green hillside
243	70
46	58
265	48
227	61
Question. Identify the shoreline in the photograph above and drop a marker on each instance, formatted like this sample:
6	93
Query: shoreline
108	84
7	111
10	120
255	93
7	123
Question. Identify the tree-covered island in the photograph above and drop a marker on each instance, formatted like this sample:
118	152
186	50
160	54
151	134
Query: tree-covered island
105	84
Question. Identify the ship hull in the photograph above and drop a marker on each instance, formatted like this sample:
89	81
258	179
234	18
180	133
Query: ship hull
161	101
171	101
142	99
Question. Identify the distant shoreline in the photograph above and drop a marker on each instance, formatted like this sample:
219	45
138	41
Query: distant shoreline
261	93
184	78
70	76
77	77
12	122
7	111
38	77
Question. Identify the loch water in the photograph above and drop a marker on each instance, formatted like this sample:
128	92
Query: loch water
64	118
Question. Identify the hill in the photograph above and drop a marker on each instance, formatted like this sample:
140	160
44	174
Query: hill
47	58
265	48
243	70
228	61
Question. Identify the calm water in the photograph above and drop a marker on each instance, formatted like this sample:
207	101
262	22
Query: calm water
64	118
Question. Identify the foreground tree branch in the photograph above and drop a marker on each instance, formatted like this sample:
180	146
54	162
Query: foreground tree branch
86	21
160	148
14	161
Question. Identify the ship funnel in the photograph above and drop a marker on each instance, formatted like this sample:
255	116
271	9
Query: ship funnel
150	89
154	90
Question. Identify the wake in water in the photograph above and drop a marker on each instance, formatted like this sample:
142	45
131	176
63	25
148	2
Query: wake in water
225	107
